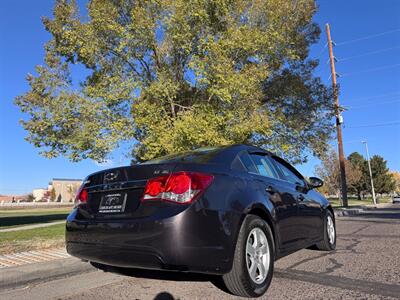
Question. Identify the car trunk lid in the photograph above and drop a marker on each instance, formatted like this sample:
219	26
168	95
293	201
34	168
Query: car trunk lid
117	193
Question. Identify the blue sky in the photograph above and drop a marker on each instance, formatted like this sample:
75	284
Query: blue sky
370	86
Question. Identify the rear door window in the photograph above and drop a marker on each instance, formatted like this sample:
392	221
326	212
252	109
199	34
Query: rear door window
264	166
248	163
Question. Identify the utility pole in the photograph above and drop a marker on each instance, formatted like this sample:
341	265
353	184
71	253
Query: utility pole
370	172
339	121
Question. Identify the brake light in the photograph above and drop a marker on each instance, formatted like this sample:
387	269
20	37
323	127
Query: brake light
180	187
81	196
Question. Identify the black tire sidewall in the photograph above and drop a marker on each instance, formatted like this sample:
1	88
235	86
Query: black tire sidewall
251	223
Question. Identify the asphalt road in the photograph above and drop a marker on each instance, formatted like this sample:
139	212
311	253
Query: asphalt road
366	265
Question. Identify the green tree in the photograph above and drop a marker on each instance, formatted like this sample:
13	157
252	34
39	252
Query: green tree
362	185
384	181
169	76
30	197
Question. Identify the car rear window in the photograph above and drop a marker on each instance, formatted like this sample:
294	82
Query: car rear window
201	155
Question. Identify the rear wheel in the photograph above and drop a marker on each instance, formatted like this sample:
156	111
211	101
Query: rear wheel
329	240
253	262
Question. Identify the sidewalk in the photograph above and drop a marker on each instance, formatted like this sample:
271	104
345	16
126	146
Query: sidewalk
30	257
31	226
20	276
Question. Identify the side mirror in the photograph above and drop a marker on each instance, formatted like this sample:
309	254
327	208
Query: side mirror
315	182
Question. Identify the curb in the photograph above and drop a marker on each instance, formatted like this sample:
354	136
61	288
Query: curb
342	212
19	276
348	212
379	205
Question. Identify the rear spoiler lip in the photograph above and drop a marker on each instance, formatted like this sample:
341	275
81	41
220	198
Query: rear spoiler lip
173	164
129	166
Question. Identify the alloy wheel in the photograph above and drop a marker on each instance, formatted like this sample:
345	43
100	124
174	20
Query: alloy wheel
257	255
330	227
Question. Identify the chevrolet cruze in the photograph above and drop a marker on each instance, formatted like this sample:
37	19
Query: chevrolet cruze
230	211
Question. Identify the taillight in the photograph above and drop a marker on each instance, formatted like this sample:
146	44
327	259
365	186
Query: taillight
180	187
81	196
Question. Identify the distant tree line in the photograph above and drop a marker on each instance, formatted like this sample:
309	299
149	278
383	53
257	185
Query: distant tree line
357	173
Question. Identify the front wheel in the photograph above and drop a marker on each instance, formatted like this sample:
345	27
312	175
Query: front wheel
253	261
329	239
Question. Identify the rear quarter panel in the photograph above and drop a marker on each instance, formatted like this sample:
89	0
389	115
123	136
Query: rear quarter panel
226	202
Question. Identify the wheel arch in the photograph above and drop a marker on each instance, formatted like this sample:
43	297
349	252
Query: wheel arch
329	208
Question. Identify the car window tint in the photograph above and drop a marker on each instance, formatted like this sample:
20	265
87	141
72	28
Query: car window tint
247	162
264	166
201	155
288	175
238	165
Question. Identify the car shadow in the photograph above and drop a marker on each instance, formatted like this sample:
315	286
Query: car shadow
164	296
395	216
165	275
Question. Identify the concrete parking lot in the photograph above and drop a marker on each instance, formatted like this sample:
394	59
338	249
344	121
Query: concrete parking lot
366	265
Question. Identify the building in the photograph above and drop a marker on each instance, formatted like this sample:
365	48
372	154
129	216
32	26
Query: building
64	189
12	198
39	194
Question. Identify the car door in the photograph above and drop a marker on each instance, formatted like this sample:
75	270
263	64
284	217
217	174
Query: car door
309	208
281	195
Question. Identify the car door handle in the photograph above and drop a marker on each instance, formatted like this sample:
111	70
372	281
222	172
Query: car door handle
300	197
270	189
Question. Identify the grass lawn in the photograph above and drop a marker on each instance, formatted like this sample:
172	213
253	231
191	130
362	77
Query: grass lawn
356	202
14	218
32	239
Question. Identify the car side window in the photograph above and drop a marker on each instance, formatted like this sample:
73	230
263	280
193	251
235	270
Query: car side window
248	163
288	174
264	166
238	165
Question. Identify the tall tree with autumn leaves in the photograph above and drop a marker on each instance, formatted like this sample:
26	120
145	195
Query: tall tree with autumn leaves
173	75
358	177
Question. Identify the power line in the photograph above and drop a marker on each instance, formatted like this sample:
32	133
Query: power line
367	37
376	125
323	50
379	96
357	141
368	53
372	104
371	70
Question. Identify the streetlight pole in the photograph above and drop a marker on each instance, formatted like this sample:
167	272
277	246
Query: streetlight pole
370	172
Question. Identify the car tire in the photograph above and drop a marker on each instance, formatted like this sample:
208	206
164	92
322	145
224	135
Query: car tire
328	243
242	280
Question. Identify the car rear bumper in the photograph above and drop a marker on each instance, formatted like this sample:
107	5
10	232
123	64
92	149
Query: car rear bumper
193	240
